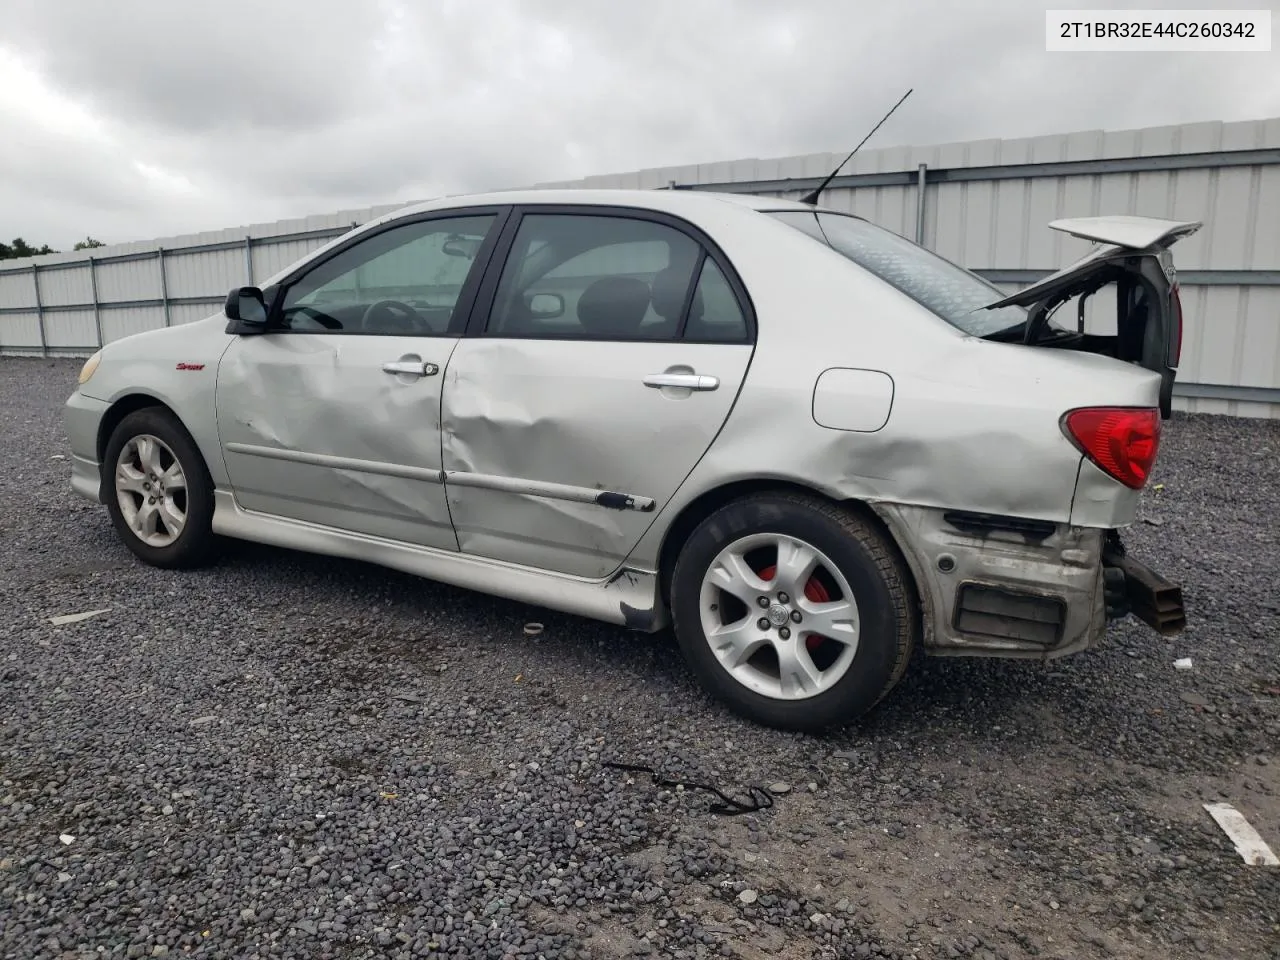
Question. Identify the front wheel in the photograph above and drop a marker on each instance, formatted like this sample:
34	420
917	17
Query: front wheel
160	494
794	611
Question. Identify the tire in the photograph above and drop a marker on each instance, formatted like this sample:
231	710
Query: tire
194	542
875	639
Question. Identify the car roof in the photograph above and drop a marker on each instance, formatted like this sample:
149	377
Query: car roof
672	201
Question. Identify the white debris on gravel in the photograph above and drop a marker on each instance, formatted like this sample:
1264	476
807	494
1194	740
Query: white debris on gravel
77	617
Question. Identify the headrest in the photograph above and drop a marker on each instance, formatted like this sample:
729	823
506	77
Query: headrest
614	306
669	287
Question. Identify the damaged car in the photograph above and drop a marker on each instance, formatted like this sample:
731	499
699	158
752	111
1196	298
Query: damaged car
803	442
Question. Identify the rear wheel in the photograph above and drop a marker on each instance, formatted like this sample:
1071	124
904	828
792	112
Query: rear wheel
794	611
159	495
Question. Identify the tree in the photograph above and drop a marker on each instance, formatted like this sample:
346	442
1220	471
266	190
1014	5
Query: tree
20	248
88	243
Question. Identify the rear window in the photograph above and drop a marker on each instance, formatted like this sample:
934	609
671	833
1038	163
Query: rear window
950	291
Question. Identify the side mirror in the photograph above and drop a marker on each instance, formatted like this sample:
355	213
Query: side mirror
546	306
246	309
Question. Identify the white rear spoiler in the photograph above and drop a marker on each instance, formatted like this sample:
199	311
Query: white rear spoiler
1136	233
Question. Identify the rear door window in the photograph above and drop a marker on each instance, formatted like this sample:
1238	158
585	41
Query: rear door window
574	276
613	277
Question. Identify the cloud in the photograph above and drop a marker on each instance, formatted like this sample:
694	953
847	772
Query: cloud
140	117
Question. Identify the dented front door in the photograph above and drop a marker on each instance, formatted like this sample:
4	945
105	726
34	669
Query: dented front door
315	428
332	416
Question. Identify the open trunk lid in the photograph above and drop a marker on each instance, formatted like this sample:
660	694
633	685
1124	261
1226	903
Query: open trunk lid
1134	255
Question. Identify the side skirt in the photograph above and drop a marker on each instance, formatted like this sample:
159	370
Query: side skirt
629	598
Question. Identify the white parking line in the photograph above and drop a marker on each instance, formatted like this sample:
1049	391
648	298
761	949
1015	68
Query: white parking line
1248	843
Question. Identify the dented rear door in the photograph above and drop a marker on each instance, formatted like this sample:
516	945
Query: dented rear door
607	356
558	455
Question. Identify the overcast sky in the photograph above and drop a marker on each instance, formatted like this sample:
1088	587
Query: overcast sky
128	119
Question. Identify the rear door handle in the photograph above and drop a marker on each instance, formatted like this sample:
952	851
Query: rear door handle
689	381
414	368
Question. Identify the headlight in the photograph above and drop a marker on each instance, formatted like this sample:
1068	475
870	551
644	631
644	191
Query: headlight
90	365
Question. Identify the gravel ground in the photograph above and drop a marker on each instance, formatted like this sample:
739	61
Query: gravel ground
292	756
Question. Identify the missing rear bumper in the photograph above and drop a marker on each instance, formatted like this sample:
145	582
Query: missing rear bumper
989	610
1001	586
1141	591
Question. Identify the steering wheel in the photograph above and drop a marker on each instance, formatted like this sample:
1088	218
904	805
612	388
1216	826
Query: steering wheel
391	316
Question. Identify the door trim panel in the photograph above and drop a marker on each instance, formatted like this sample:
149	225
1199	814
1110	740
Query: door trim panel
609	499
379	467
555	491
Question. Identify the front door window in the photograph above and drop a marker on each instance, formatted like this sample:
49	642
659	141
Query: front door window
406	281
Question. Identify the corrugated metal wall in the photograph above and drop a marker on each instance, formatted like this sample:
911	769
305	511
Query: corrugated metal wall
68	304
985	205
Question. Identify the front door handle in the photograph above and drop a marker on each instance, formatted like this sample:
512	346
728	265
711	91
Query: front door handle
689	381
414	368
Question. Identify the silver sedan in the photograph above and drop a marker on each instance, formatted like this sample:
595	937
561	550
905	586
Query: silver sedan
804	442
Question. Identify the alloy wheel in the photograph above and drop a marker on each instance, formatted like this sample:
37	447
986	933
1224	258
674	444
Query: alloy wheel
151	489
779	616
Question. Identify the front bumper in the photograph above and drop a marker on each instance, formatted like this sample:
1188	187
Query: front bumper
81	418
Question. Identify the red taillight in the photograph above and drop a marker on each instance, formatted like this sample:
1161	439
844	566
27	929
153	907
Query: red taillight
1175	348
1121	440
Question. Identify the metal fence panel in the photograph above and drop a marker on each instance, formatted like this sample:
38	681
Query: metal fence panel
206	273
20	333
129	279
985	204
16	289
65	286
120	322
190	312
271	258
70	329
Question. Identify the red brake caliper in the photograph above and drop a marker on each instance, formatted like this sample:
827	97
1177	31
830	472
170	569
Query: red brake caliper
814	592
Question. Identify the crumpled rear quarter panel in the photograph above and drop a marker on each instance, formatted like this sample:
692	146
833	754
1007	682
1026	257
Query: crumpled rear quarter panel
1066	565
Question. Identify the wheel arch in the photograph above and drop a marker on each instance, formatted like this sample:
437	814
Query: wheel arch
121	408
707	503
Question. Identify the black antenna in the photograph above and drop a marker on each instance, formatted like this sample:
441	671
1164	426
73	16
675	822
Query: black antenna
812	197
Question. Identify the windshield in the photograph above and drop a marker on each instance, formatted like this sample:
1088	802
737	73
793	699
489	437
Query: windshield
953	293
